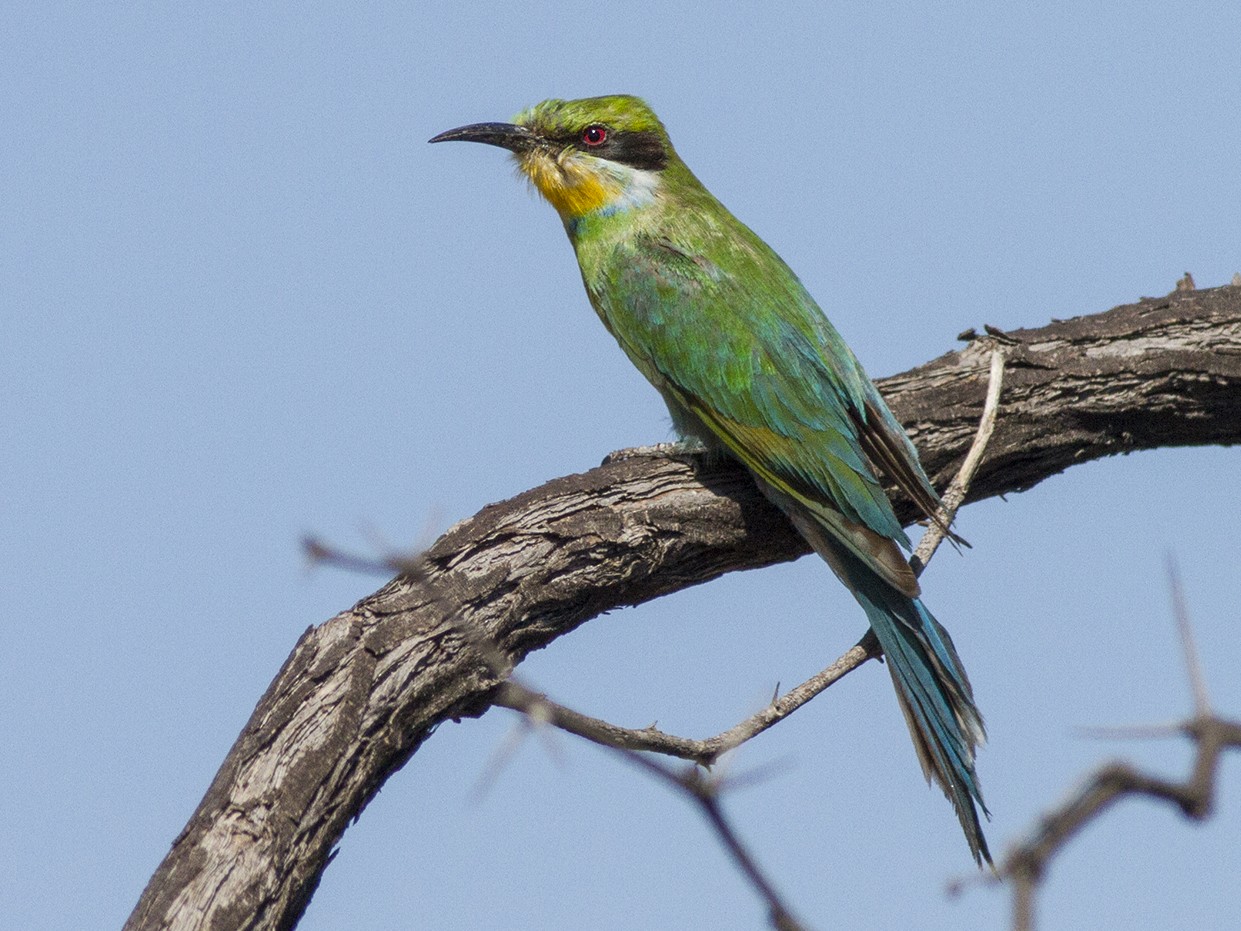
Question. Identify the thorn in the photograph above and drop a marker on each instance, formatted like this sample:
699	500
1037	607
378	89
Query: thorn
1193	662
501	757
316	551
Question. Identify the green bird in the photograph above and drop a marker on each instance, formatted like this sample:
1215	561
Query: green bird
749	366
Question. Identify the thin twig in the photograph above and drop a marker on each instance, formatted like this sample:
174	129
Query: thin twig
955	495
704	752
408	565
1193	663
704	790
693	782
867	648
1027	863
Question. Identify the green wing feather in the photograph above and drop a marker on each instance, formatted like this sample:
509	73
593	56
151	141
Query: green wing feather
769	377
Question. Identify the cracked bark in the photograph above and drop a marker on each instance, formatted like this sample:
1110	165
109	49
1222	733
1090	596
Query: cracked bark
362	691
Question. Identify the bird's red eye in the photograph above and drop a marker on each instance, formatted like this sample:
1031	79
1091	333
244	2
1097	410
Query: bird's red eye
594	135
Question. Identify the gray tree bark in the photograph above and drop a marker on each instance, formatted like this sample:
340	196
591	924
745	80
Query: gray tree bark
362	691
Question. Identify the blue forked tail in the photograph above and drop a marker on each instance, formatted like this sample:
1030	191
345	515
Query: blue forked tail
936	697
931	685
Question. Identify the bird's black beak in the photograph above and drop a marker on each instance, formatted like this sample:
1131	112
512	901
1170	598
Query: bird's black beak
505	135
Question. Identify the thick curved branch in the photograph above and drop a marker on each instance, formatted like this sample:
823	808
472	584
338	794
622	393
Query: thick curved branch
360	692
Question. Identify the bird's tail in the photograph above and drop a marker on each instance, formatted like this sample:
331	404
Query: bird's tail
931	685
935	695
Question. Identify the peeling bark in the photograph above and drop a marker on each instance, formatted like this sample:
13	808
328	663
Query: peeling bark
362	691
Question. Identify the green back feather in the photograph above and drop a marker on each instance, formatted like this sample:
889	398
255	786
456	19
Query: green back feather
766	372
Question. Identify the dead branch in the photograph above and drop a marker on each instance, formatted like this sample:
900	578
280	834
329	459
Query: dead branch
360	692
1026	864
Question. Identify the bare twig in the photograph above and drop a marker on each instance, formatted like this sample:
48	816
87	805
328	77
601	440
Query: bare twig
1193	663
538	710
955	495
1027	863
407	566
1133	731
704	752
697	785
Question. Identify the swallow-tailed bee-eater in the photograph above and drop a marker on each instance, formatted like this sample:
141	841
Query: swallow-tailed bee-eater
749	366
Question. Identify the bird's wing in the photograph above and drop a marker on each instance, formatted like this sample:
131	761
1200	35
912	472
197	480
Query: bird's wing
749	353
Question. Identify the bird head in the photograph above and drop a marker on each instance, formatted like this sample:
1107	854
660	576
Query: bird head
590	156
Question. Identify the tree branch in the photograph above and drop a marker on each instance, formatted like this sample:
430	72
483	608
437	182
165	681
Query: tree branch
360	692
1026	864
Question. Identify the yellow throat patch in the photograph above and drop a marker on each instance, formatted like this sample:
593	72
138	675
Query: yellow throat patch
577	184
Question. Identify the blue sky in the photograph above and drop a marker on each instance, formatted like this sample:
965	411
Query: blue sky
241	299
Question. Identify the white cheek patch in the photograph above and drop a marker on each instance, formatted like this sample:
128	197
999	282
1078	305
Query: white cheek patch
637	187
